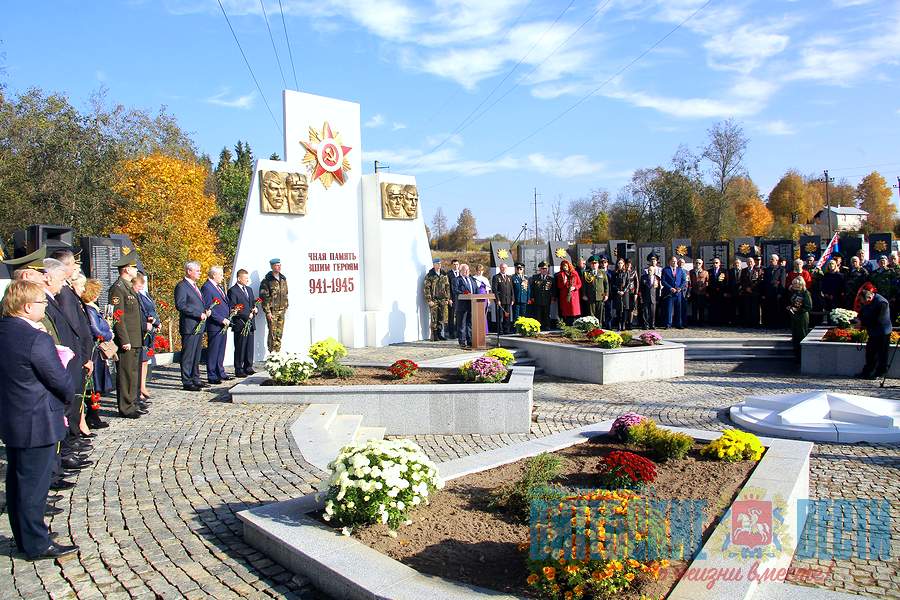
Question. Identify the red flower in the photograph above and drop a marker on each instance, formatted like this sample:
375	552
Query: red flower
403	368
95	400
117	314
161	344
238	308
637	468
150	353
259	300
163	304
216	302
595	333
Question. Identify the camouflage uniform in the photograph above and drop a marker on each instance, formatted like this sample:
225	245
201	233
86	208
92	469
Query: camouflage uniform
437	296
274	294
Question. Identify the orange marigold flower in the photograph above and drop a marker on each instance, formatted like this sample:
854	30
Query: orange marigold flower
568	596
532	579
549	573
629	576
664	563
555	588
572	569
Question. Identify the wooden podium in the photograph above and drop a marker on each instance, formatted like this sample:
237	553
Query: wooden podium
478	315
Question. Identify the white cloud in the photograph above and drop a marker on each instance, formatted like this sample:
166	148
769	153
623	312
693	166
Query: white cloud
398	126
849	3
745	48
449	160
776	128
243	102
376	121
747	97
100	74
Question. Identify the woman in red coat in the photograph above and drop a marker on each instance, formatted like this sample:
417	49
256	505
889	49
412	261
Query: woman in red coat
568	283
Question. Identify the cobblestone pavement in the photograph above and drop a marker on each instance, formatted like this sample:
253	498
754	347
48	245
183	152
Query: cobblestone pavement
155	514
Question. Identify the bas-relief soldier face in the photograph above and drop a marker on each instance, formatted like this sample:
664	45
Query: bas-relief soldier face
394	201
274	192
411	201
298	191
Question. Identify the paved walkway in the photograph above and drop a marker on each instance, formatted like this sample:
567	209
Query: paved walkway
155	515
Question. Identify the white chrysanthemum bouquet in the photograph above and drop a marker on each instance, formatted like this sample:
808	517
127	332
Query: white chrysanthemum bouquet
379	482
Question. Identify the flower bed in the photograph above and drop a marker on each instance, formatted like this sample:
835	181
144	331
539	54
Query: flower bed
343	567
838	352
578	356
432	401
461	536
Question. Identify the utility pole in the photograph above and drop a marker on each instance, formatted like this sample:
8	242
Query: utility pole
381	166
536	215
828	204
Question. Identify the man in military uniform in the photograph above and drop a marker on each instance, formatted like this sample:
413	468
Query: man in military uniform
542	289
437	296
520	292
274	293
883	278
128	336
502	286
594	288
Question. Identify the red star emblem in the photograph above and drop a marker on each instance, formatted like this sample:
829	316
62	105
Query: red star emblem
326	155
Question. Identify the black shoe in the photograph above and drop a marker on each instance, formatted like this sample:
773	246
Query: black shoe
72	464
141	411
55	550
62	484
87	436
132	416
213	382
142	406
240	374
249	372
97	424
204	385
227	378
441	337
52	511
191	388
54	497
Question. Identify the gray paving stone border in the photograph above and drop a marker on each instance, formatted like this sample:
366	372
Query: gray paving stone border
414	409
346	568
601	365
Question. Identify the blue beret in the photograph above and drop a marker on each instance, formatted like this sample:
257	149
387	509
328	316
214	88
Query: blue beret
274	261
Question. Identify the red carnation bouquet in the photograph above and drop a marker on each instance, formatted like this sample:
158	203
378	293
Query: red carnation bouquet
234	310
202	324
246	329
594	333
626	470
403	368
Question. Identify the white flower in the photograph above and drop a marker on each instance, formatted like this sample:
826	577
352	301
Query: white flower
346	531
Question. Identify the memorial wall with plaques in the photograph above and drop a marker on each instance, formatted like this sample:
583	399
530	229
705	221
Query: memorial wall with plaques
531	255
98	254
783	248
645	250
710	250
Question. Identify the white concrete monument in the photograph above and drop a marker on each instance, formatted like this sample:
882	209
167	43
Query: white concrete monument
821	416
352	274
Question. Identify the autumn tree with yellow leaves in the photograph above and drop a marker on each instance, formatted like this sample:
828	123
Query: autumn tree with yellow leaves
753	216
166	214
874	197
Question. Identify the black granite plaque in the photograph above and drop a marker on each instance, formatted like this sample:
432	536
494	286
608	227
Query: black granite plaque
500	253
879	245
532	255
783	248
810	244
682	248
710	250
645	250
559	251
98	254
744	248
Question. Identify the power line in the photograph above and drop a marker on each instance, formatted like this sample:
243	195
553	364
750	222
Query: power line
538	66
866	166
452	97
274	49
495	88
288	41
249	68
584	98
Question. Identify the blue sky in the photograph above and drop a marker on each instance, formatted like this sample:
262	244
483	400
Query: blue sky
814	83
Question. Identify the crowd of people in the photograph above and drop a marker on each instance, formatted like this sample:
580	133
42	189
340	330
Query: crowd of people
775	295
61	348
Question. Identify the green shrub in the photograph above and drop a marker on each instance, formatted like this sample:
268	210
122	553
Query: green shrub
573	333
516	497
337	370
661	443
626	337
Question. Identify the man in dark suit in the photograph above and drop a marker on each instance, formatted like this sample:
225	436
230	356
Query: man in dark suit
464	285
673	285
452	276
34	392
73	310
242	294
875	316
502	285
216	325
191	312
128	329
66	335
